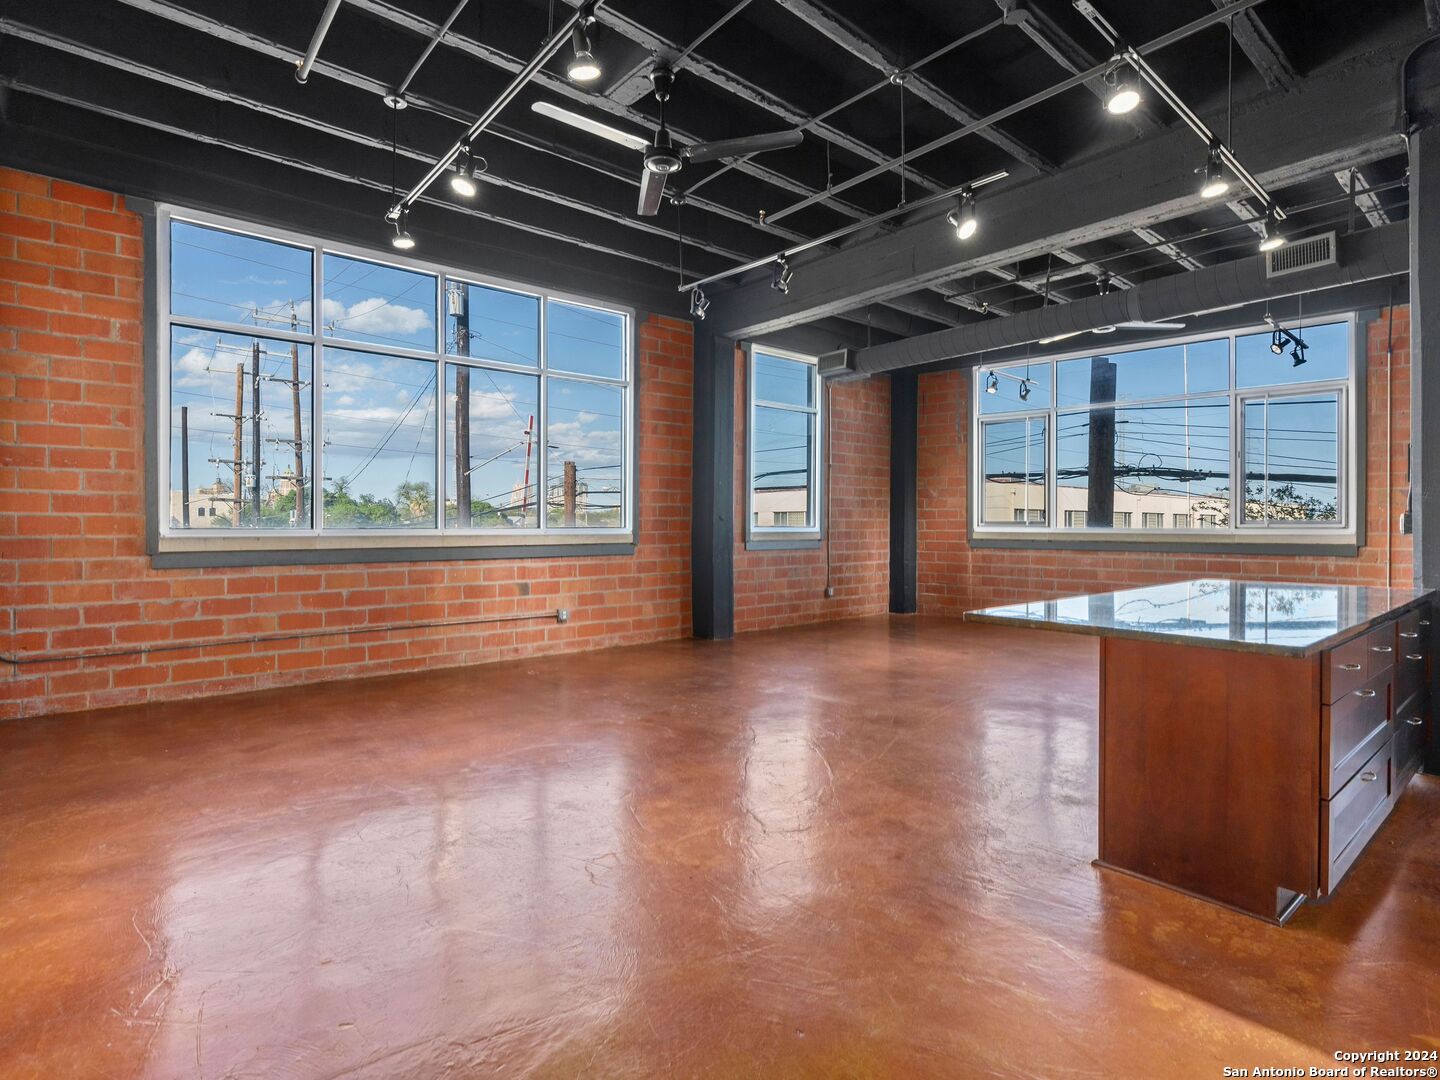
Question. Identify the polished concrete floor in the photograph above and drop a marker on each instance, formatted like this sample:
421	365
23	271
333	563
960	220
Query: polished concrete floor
855	850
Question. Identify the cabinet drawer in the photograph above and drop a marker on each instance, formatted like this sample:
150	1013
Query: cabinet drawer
1349	820
1344	669
1412	667
1352	729
1411	729
1379	650
1414	631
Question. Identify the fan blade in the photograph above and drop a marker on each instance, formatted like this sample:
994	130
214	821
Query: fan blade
750	144
652	189
1150	326
594	127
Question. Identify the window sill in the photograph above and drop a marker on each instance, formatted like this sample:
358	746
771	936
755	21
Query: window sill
218	551
1335	547
803	542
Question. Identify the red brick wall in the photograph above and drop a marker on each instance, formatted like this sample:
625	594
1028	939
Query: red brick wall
954	577
784	588
73	569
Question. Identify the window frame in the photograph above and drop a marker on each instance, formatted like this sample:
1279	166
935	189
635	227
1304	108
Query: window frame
1345	536
426	542
785	535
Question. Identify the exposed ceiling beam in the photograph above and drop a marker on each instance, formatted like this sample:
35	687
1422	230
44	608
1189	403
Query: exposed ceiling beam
1261	49
1165	247
854	41
1340	116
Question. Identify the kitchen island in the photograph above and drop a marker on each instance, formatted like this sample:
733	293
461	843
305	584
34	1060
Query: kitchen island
1254	736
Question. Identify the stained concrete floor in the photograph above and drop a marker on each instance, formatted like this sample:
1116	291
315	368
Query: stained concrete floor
854	850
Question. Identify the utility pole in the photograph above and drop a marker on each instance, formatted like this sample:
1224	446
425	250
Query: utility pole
237	501
185	465
569	495
525	483
1100	503
459	300
255	427
299	432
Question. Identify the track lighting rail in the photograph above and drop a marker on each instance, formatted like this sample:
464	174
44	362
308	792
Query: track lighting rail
1078	79
846	230
556	42
302	69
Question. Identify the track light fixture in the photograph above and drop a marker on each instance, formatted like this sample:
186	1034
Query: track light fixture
699	304
1297	354
402	240
1277	342
1272	237
1121	95
781	275
1024	389
583	66
992	383
962	219
462	180
1216	183
1280	337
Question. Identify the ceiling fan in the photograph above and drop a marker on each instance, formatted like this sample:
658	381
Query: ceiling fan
1103	283
662	156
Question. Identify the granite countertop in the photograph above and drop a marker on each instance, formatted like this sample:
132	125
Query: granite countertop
1284	618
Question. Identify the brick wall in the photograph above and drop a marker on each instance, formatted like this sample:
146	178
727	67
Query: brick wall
954	576
73	569
784	588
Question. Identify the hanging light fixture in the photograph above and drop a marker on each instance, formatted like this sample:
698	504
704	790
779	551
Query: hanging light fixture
1121	95
1024	389
462	180
962	219
1216	183
1272	237
699	304
781	275
402	240
992	383
583	66
1277	342
1297	354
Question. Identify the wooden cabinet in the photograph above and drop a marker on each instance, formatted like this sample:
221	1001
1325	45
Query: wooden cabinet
1252	779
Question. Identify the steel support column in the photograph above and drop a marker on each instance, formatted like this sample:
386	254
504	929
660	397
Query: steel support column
712	522
904	473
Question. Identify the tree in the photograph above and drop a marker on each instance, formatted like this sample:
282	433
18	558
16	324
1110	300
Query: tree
417	502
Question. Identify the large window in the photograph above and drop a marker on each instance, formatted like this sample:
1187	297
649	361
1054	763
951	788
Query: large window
313	393
784	429
1221	438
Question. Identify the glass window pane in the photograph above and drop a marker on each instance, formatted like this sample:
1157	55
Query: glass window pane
584	340
781	447
492	448
377	304
1292	453
1327	356
379	441
1169	371
216	274
1000	388
492	324
1013	460
1168	461
784	382
585	463
215	378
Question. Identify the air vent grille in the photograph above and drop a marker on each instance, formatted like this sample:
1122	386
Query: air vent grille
1301	255
839	364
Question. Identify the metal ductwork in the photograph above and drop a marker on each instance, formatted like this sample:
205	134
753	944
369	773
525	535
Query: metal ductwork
1364	256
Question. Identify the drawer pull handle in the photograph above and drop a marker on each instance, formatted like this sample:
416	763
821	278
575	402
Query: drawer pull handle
1349	667
1368	776
1414	721
1409	633
1414	656
1364	693
1382	648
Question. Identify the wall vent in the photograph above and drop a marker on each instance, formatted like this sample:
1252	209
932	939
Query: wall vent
839	364
1301	255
